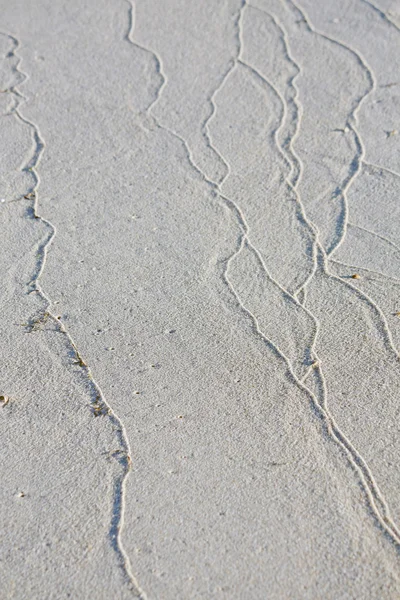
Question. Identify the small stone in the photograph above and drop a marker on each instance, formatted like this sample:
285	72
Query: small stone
4	399
356	276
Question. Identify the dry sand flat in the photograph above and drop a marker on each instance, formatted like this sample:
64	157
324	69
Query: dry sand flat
200	401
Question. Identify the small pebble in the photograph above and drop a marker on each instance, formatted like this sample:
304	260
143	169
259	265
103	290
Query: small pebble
4	399
356	276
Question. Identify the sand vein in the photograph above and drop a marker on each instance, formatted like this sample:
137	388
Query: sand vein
371	490
377	235
352	121
382	14
99	403
374	495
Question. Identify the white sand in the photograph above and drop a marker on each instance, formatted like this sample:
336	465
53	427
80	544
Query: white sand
201	400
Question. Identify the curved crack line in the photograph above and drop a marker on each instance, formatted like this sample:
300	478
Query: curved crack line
215	187
205	125
387	335
368	484
159	68
98	403
300	212
290	141
296	164
377	235
380	168
373	493
353	114
352	120
334	429
157	60
339	262
295	160
369	479
326	255
382	14
390	346
311	228
291	151
371	488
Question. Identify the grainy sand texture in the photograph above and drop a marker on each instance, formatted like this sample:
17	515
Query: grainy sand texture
200	299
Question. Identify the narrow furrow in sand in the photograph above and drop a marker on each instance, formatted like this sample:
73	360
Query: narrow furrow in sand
44	318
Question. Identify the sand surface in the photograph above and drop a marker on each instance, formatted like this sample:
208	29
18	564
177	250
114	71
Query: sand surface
200	299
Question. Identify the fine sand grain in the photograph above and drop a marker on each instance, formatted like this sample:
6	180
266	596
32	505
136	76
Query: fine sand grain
200	300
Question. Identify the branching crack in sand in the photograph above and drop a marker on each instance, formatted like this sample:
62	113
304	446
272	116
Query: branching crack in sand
382	14
213	112
352	116
99	403
380	168
371	489
286	155
215	187
291	88
377	235
356	163
372	492
355	267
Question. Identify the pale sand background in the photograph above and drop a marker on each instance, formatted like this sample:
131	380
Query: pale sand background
202	402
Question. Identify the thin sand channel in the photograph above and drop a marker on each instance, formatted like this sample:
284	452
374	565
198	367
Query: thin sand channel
200	308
